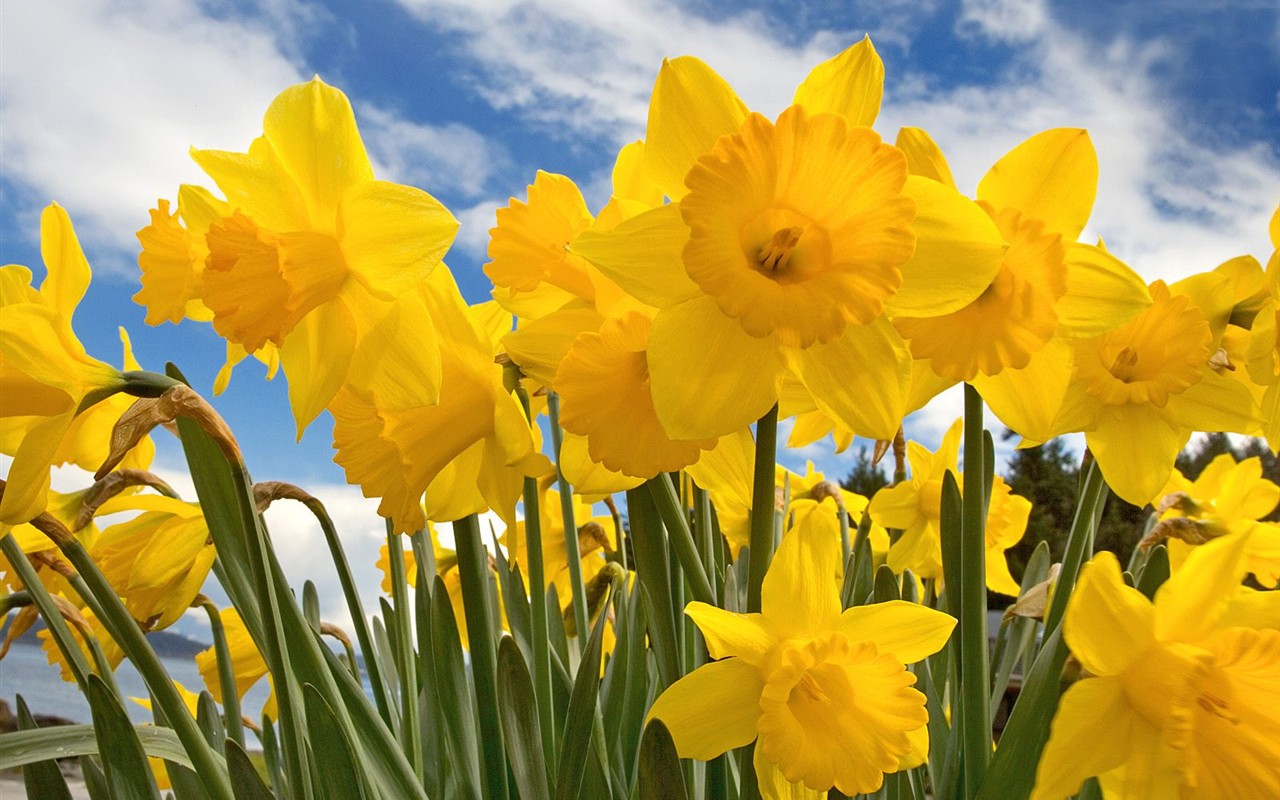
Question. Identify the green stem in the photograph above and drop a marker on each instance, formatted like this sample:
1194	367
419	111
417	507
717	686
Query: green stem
226	673
975	714
122	627
763	503
352	595
410	728
1079	543
650	550
581	619
542	677
58	628
674	517
473	570
706	538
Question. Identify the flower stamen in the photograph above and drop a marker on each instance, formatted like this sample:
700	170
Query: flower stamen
774	255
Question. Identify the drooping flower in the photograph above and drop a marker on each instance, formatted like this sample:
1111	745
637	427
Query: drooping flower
308	253
1178	702
1013	342
1138	392
785	244
915	507
53	411
824	693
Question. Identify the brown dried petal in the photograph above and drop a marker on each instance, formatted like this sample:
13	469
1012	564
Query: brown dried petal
267	492
1191	531
148	412
112	485
1035	600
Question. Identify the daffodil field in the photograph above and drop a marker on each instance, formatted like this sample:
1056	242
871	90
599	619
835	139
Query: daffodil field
664	612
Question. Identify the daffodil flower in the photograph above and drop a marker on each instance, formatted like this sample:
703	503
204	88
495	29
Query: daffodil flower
1264	343
247	664
824	693
1180	698
478	426
307	253
53	411
784	246
1138	392
1013	342
915	507
1227	498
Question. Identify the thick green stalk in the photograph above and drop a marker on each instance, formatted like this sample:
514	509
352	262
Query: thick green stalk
975	715
62	636
763	505
226	673
352	595
1079	547
581	619
410	727
651	566
707	539
473	570
536	575
676	520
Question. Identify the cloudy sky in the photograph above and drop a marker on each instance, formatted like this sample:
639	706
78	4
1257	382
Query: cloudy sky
468	98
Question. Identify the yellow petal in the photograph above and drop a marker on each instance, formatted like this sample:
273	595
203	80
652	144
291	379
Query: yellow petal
850	84
392	235
1135	447
539	346
316	357
958	252
799	596
1108	624
397	353
1102	292
256	184
874	406
27	487
586	476
1027	400
691	107
1090	736
313	131
908	631
709	378
643	255
712	709
1052	176
775	786
747	636
1215	403
924	157
68	271
1190	603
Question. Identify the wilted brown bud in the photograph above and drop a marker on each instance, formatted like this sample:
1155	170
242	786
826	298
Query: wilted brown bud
1220	362
329	629
592	537
45	558
148	412
1191	531
827	489
113	484
1035	600
267	492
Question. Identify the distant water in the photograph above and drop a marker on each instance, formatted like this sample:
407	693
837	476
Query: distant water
27	672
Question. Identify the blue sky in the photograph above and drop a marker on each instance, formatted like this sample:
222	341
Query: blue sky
468	98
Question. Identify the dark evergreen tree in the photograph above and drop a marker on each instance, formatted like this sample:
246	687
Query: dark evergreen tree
866	476
1047	476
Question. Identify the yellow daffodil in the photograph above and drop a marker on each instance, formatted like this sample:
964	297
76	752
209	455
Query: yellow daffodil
113	653
158	561
52	412
1139	391
784	246
593	543
1264	344
247	664
1013	342
65	508
1227	498
1180	698
309	253
823	693
395	454
915	507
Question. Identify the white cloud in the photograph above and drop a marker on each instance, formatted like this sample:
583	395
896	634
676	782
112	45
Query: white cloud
101	101
431	157
473	235
1003	20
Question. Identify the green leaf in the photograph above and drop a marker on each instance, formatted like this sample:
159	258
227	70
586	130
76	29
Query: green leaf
885	586
576	750
311	604
660	775
514	601
210	720
94	781
520	723
246	783
42	778
338	773
183	783
1154	572
124	761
